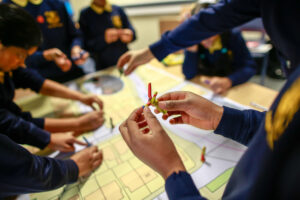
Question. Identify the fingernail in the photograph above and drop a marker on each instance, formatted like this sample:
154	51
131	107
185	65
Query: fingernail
207	82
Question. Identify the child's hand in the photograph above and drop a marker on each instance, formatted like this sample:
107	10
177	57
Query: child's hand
78	55
63	142
88	160
189	108
134	59
90	121
126	35
60	59
111	35
90	99
219	85
156	149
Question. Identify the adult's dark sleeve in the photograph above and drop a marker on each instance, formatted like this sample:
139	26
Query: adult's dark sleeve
238	125
216	19
180	186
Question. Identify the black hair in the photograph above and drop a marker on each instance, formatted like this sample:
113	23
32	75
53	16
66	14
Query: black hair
18	28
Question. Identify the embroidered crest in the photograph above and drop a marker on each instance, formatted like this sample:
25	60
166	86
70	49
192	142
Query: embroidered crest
2	74
116	20
53	19
285	111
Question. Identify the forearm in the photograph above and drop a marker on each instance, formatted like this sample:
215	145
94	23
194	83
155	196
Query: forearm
52	88
22	172
22	131
216	19
239	125
61	125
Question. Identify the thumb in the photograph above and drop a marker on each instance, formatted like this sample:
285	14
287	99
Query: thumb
68	148
151	120
173	105
130	67
123	60
79	142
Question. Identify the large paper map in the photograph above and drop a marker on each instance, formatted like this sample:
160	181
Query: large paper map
122	175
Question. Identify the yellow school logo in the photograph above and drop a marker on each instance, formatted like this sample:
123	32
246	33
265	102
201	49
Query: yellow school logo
285	111
2	77
116	20
53	19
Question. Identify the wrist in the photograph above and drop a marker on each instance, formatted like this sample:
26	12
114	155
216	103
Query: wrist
217	116
47	56
80	97
51	143
148	54
175	168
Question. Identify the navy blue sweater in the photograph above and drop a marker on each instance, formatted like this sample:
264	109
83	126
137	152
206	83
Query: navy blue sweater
18	125
242	66
269	169
93	26
58	32
21	172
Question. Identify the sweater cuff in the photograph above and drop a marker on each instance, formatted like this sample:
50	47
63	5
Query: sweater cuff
39	57
180	185
39	122
39	138
230	118
233	78
159	49
73	170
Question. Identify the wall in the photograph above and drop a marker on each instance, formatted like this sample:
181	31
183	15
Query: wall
146	20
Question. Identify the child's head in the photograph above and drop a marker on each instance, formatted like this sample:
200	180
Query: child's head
20	36
100	3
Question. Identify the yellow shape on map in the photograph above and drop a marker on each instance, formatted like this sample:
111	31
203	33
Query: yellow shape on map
95	195
132	181
112	191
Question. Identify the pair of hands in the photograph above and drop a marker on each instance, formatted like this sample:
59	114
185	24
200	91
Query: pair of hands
91	120
156	149
218	85
133	59
112	35
87	160
62	61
